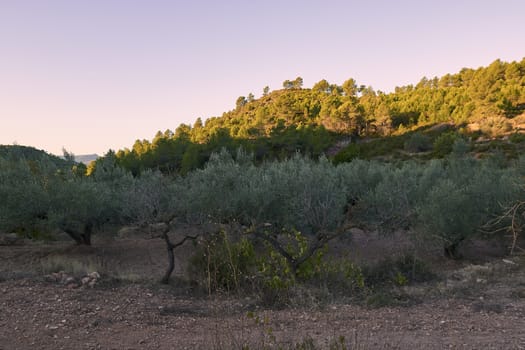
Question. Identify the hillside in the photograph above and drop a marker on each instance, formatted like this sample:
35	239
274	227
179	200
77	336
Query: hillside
252	253
17	152
487	101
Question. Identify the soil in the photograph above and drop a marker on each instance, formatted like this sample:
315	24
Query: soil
471	306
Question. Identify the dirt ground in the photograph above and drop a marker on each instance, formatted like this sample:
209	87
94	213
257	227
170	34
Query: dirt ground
472	306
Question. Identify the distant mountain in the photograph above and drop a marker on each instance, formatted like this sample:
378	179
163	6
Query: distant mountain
86	158
30	153
17	152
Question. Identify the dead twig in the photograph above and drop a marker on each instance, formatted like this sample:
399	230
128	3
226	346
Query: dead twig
516	215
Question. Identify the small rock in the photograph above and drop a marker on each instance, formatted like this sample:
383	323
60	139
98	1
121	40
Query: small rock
10	239
94	275
50	278
72	285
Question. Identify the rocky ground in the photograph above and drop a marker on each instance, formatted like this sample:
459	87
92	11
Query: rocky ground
474	306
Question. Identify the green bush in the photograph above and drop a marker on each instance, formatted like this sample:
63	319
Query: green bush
418	142
371	148
400	271
443	144
221	264
517	137
351	152
225	264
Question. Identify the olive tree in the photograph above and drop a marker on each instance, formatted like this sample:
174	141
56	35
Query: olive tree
153	198
24	200
147	198
390	204
80	205
270	201
298	194
448	200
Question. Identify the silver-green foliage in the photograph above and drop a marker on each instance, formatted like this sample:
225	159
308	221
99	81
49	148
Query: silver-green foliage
467	196
390	204
215	193
40	198
147	198
23	197
270	201
298	193
98	198
448	199
77	203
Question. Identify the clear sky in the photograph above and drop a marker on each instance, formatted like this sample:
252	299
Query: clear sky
94	75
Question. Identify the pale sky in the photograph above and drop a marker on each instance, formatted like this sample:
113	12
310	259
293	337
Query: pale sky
94	75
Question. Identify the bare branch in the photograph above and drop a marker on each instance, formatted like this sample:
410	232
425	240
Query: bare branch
513	213
171	256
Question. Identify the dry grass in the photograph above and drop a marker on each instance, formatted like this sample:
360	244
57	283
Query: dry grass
71	266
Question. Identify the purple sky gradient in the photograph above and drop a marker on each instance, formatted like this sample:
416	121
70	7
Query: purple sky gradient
99	74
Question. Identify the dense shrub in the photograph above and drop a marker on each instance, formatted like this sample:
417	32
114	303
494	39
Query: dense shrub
400	271
517	137
349	153
240	264
221	264
444	143
418	142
